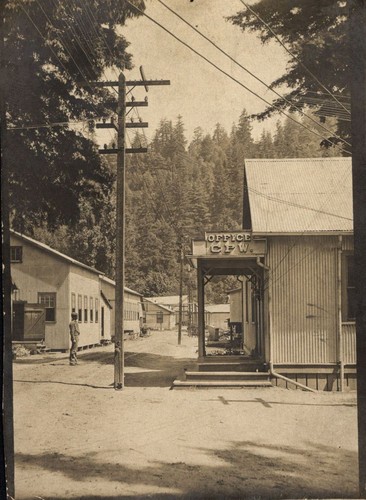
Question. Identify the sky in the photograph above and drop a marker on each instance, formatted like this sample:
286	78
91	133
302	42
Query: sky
198	92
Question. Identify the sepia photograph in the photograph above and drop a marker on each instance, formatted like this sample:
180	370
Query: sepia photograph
183	221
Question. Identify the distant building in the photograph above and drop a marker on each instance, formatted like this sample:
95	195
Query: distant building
217	315
172	302
157	316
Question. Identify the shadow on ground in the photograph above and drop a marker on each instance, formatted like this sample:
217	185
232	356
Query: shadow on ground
154	370
245	470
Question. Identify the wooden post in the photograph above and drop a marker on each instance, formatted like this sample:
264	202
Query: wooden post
339	318
120	239
358	113
201	310
7	429
180	293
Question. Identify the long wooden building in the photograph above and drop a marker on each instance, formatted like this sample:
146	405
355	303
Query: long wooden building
49	285
295	257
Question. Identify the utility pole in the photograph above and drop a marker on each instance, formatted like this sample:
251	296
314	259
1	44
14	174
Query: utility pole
357	52
180	291
121	151
6	363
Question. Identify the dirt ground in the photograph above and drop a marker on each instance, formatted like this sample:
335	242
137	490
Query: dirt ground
78	438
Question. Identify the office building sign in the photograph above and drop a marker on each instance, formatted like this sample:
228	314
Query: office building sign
233	243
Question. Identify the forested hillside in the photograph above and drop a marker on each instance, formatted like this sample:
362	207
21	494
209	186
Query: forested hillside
177	190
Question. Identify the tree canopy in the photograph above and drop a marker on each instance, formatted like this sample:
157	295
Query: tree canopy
316	33
51	50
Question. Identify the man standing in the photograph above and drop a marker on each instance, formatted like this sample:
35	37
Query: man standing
74	334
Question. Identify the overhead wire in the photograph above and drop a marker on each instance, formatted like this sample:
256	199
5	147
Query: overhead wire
228	74
317	211
253	75
315	78
325	203
52	50
56	55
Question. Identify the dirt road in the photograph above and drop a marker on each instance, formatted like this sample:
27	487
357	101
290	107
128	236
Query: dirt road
78	438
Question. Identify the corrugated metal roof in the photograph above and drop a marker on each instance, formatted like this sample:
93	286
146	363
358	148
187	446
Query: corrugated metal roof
300	195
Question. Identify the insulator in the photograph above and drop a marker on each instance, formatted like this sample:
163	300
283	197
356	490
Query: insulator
146	98
105	146
103	120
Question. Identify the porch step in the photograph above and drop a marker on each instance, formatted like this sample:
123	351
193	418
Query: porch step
237	366
221	383
224	379
229	375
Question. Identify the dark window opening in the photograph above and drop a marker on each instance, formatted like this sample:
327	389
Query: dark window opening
16	254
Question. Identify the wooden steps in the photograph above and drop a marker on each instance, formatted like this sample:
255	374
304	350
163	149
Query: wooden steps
225	375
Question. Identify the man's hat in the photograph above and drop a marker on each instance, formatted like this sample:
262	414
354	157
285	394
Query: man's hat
74	315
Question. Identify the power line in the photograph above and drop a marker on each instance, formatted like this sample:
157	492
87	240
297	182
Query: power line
55	54
250	72
228	75
340	182
293	55
296	205
54	124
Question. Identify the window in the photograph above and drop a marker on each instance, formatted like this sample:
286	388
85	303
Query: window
96	310
159	317
73	302
348	289
49	301
16	254
91	306
85	309
80	308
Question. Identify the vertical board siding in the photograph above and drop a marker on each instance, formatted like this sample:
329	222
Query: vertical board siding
349	343
347	244
303	288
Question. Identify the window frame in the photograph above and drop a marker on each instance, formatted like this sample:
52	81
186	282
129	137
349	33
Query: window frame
52	295
15	248
73	302
86	315
80	308
91	309
96	310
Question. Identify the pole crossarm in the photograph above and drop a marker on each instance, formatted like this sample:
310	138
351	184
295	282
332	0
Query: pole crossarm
137	125
128	83
133	104
114	151
106	125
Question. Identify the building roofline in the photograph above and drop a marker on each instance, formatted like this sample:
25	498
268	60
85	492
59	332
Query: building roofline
54	253
303	233
106	300
159	305
112	282
281	160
